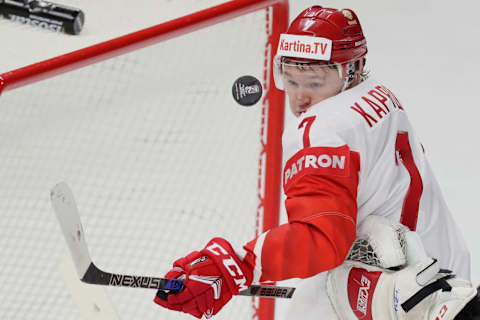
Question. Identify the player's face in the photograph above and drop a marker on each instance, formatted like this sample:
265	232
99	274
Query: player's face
307	85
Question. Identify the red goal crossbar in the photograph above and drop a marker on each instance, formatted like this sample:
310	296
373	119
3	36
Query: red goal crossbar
143	38
273	102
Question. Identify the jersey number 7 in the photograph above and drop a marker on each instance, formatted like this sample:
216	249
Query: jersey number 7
307	123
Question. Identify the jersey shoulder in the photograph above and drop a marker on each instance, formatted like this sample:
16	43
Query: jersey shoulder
367	104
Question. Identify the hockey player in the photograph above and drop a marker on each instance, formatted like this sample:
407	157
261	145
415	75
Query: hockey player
350	154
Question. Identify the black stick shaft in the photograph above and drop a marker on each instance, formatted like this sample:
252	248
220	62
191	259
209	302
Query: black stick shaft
94	275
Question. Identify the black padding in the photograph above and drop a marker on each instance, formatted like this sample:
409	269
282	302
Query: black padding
471	311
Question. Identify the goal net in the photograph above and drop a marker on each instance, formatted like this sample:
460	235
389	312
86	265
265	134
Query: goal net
157	152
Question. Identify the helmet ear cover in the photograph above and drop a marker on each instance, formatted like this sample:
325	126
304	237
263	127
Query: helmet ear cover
348	71
357	67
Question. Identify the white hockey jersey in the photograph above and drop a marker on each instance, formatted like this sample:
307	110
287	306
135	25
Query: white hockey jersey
350	156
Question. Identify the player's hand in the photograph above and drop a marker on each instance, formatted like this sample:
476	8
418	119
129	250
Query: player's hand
212	277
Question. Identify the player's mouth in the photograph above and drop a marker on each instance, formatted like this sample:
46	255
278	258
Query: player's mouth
303	108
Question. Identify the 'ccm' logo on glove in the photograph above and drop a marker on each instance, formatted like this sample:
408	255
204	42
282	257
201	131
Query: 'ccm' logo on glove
230	265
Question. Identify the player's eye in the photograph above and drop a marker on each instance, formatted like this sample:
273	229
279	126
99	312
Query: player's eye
292	83
315	85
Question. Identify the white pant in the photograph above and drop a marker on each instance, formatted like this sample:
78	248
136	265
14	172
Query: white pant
309	302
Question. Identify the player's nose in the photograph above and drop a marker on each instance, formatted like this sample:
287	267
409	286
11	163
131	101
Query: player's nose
301	96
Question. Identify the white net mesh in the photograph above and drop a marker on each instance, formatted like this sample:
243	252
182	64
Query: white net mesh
158	154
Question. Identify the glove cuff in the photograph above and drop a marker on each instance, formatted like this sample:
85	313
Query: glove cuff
236	273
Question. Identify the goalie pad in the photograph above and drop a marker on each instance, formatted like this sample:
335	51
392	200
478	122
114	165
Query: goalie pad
360	291
414	289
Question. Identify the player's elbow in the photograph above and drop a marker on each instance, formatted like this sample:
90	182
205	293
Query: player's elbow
341	246
336	239
322	249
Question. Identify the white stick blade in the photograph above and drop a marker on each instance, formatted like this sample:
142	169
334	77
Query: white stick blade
65	208
92	301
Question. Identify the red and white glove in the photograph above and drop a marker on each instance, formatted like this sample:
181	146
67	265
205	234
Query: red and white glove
418	291
212	277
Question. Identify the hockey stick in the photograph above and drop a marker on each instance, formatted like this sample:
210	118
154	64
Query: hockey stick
66	210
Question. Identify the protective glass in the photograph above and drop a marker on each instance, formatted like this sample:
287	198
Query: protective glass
310	77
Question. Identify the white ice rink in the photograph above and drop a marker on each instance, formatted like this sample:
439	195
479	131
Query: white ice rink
426	51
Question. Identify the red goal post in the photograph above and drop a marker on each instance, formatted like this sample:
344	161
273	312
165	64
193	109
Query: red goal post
270	158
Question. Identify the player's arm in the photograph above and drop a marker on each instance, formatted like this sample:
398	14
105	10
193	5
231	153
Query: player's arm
321	206
322	214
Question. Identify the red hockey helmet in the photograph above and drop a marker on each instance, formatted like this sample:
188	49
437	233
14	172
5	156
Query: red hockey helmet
342	27
325	34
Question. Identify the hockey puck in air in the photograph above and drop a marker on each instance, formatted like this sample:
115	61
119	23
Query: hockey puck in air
247	90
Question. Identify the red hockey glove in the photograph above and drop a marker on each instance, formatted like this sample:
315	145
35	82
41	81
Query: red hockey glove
212	276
